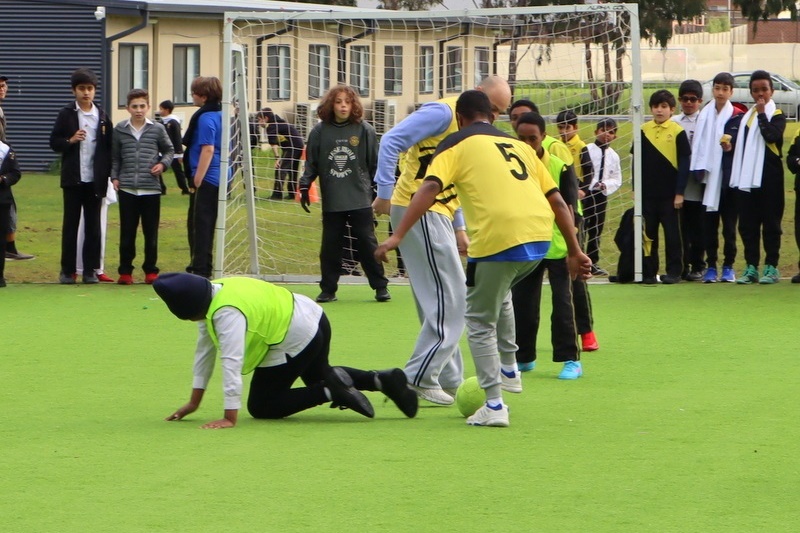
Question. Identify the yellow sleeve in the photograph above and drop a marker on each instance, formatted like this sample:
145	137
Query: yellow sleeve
442	168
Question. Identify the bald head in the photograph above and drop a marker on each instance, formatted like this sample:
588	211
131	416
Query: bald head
499	93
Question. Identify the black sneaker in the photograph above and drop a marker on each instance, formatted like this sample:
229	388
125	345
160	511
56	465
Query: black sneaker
649	281
796	278
395	386
597	271
325	297
66	279
3	284
344	395
670	280
382	295
89	277
694	276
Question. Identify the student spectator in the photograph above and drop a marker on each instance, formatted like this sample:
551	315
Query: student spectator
82	135
604	180
712	157
758	174
11	251
665	167
690	94
203	140
142	152
9	176
343	152
172	123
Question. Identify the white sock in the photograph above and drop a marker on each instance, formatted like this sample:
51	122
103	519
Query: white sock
495	403
509	369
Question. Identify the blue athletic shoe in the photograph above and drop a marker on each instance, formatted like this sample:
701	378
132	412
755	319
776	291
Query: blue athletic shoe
728	275
526	367
572	370
710	276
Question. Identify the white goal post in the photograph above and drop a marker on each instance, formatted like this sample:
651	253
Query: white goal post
583	58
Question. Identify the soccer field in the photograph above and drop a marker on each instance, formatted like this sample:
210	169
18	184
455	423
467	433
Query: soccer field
683	421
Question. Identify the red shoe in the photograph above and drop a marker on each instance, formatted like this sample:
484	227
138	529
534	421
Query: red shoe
125	279
150	278
589	342
104	278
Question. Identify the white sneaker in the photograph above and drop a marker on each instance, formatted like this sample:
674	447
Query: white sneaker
511	384
437	396
485	416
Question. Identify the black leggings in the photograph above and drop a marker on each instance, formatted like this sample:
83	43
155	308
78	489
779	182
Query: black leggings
271	393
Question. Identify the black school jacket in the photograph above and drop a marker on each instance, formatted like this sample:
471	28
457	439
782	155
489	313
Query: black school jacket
65	127
9	170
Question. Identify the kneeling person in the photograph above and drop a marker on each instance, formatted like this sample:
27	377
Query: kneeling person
279	336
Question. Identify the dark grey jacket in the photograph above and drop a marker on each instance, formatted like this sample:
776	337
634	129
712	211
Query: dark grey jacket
345	158
132	159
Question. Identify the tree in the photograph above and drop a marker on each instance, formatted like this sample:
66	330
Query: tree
756	10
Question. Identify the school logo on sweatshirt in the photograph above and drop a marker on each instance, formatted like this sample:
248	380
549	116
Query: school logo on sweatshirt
340	156
354	140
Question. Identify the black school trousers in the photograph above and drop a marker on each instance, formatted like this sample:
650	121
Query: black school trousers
661	212
692	217
526	297
200	224
760	216
79	197
132	209
333	237
727	214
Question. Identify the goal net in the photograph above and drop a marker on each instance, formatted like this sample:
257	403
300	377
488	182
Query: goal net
577	58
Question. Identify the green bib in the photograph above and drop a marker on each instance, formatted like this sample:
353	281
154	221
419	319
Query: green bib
267	308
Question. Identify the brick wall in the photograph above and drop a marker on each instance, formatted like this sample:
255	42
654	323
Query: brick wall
774	31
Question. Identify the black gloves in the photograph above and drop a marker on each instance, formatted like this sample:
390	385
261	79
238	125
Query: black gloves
305	201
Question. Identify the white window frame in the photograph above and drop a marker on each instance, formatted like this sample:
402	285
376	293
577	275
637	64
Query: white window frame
425	70
133	70
185	68
454	71
393	70
359	69
319	70
279	72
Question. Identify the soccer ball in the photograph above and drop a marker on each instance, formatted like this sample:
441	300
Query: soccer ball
470	396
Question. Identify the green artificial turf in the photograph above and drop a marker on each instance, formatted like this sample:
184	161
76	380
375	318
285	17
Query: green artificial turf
684	421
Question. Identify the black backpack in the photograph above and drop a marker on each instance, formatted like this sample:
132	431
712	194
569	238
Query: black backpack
624	242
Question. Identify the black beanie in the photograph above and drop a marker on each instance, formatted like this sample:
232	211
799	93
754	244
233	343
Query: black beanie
187	295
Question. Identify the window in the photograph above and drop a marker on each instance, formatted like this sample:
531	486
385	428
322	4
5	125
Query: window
319	69
454	70
132	70
185	68
359	69
481	64
279	72
393	70
425	70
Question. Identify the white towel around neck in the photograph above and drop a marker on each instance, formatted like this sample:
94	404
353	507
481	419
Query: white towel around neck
707	151
748	164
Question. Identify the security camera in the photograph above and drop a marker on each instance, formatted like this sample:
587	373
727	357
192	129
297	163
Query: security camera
100	13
